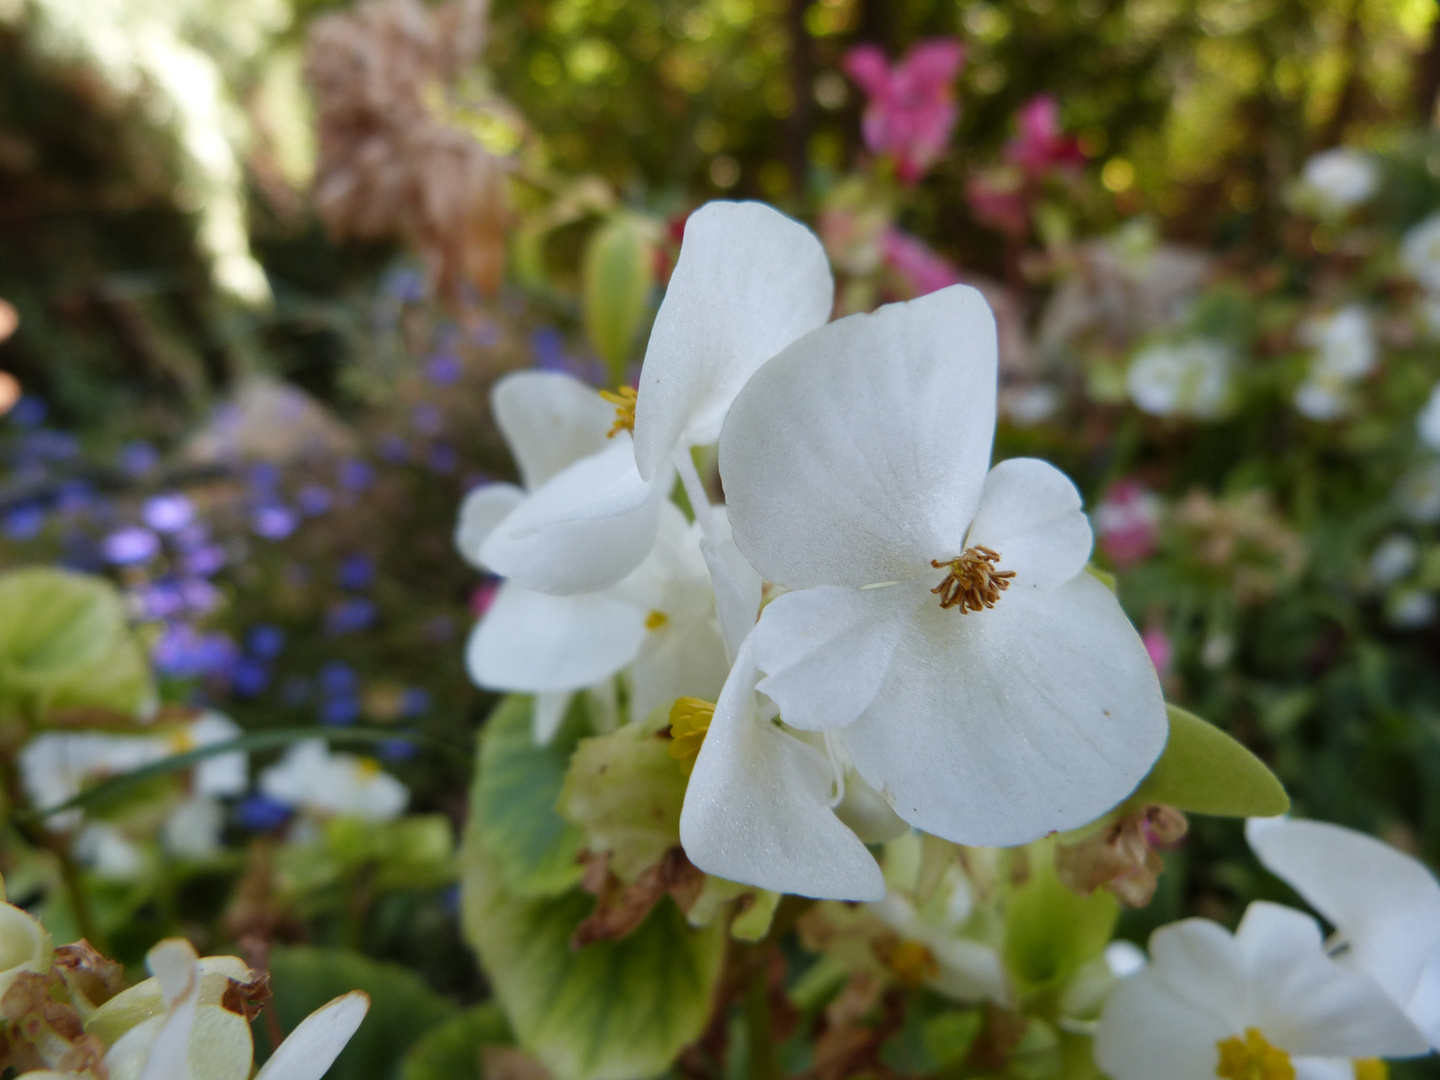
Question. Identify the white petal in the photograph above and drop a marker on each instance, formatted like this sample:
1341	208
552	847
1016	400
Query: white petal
1384	903
584	530
825	651
748	282
1030	514
312	1047
1424	1005
550	709
1199	962
176	967
678	660
1306	1003
757	807
997	727
1147	1031
550	420
738	585
857	455
1309	1068
534	642
481	510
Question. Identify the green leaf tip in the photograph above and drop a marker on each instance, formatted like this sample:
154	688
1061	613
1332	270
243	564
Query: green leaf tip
1205	771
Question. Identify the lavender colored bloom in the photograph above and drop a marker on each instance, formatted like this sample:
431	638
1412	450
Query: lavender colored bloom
414	702
393	449
338	680
29	411
349	617
265	641
160	600
264	479
250	677
192	536
340	712
356	475
260	813
200	596
168	513
138	458
204	561
75	497
24	522
44	444
443	459
547	346
314	500
427	419
443	369
183	652
129	546
397	750
273	521
356	573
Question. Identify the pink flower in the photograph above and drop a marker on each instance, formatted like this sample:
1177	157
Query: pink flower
923	270
912	110
483	597
1041	146
1127	522
998	199
1157	644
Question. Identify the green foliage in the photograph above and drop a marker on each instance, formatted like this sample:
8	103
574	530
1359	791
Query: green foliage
1050	931
402	1007
1205	771
451	1051
65	644
619	270
624	791
516	785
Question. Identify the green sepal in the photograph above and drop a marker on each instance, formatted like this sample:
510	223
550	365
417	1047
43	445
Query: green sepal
624	792
619	270
1205	771
451	1051
516	786
612	1010
1050	931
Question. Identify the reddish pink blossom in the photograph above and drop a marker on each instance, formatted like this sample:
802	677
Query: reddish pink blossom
1128	523
911	110
483	597
923	270
998	199
1157	644
1041	145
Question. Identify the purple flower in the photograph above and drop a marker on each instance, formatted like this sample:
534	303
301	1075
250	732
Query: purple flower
200	596
260	813
75	497
129	546
192	536
414	702
338	680
273	521
443	459
356	475
183	652
250	677
397	750
24	522
393	449
160	600
314	500
138	458
443	369
264	479
168	513
265	641
29	411
339	712
547	346
427	419
349	617
204	561
356	573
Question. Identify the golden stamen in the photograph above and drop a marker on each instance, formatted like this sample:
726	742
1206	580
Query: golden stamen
689	722
624	402
1252	1058
973	583
656	619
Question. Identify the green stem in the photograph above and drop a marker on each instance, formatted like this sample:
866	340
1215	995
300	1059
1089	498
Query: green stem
764	1060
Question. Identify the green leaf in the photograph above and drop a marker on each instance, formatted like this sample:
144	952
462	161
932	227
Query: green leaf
613	1010
516	785
1205	771
402	1007
1051	932
624	791
65	644
451	1051
619	269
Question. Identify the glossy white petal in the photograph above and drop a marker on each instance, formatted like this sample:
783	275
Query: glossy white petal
1308	1004
550	420
174	964
738	585
583	530
748	282
857	455
1030	514
679	659
481	510
1309	1068
1424	1005
1147	1031
1385	904
757	809
549	714
826	651
533	642
312	1048
997	727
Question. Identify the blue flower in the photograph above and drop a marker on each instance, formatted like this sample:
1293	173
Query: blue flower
340	712
350	616
356	475
414	702
338	680
265	641
356	572
168	513
314	499
29	411
443	369
138	458
250	677
24	522
129	546
273	521
397	750
261	813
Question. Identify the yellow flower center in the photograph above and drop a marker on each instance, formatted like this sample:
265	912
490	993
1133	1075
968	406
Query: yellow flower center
656	619
912	963
973	583
1252	1058
1371	1069
624	402
367	768
182	742
689	721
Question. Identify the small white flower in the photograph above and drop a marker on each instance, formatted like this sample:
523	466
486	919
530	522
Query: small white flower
855	464
1420	253
311	778
1339	180
1266	1003
1410	609
1418	493
1393	558
192	830
1189	378
1384	905
105	849
748	282
1427	424
1346	351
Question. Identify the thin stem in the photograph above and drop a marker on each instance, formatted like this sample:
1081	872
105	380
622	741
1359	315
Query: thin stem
695	492
764	1060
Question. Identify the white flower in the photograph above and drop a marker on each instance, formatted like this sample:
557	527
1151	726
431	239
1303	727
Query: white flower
105	849
855	466
1339	180
1418	493
1384	905
1393	558
311	778
196	1038
192	830
1189	378
1420	253
747	283
1427	424
1265	1004
1410	609
1345	352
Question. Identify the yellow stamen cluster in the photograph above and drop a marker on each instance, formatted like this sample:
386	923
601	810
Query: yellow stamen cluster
656	619
973	583
1252	1058
912	963
1371	1069
624	402
689	721
367	768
